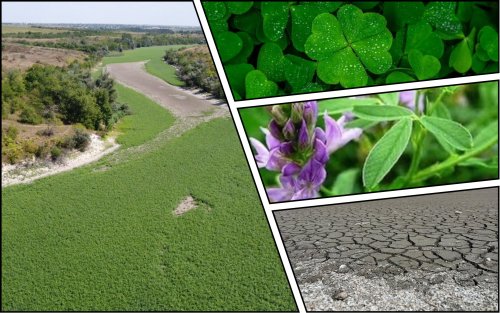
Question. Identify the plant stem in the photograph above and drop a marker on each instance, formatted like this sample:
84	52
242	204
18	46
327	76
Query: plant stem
326	191
451	161
417	148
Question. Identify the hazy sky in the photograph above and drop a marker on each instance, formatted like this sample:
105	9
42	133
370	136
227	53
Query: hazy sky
154	13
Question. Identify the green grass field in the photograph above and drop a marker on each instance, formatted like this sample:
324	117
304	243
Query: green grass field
147	119
155	66
107	240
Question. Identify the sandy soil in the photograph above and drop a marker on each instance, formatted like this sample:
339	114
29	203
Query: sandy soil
181	102
16	56
29	171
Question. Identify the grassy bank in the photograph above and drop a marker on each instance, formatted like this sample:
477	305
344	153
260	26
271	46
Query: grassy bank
155	66
148	119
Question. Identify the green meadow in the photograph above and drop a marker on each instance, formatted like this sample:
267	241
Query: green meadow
155	66
104	237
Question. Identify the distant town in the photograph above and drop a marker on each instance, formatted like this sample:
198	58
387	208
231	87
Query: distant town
123	27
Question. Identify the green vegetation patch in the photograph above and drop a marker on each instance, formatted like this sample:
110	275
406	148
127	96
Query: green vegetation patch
108	240
147	118
274	48
155	66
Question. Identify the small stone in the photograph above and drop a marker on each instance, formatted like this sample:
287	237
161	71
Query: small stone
437	278
458	212
343	269
340	295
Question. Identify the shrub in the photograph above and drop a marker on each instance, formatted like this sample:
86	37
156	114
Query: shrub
30	147
30	116
55	153
42	151
81	140
11	132
47	132
13	152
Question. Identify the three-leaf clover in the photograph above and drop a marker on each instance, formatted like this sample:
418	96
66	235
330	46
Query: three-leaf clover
348	46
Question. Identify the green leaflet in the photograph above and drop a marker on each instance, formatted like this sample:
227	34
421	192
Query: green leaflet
399	13
381	112
488	41
214	10
461	57
236	74
341	105
345	183
386	153
488	132
230	44
274	19
425	66
421	37
448	131
237	7
390	98
441	15
257	85
398	77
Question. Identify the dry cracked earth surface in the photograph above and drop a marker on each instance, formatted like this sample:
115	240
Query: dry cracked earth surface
433	252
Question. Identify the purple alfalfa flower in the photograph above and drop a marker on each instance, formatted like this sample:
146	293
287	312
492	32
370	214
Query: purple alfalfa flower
336	135
408	99
270	157
305	183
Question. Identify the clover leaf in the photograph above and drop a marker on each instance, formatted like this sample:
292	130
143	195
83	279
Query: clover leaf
258	86
488	40
272	62
246	49
238	7
299	71
461	55
214	10
302	16
348	46
425	66
236	74
229	45
399	13
274	19
441	15
421	37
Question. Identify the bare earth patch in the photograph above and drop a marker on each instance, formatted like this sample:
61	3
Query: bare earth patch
17	56
188	204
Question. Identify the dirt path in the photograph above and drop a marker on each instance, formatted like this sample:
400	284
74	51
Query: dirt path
180	102
189	108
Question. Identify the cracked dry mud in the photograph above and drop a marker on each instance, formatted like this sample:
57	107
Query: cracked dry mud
432	252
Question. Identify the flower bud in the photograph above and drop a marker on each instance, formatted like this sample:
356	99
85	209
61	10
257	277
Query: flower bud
289	130
297	111
275	129
310	112
303	136
278	115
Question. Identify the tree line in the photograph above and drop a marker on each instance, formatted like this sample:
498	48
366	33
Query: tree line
196	68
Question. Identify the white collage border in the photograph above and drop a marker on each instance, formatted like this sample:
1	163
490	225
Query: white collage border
270	207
